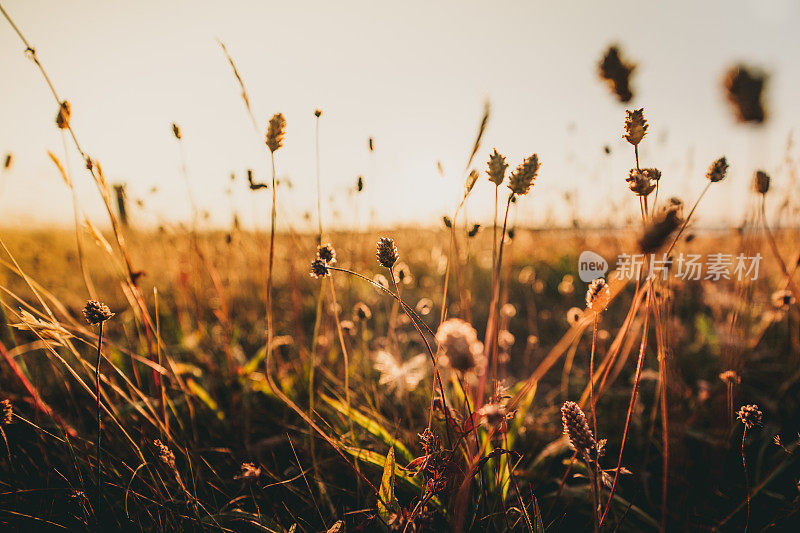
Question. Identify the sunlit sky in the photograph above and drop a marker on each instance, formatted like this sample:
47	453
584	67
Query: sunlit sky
413	75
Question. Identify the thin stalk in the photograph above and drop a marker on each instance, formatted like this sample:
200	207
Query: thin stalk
319	186
686	222
637	379
99	426
746	481
344	353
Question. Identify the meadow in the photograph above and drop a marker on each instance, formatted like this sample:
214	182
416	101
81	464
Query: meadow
460	377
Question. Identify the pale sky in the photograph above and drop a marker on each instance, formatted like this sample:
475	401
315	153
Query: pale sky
411	74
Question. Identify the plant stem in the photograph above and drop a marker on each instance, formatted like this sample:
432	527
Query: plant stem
99	426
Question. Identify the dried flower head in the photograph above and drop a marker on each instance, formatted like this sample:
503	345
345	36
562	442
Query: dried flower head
319	268
62	118
472	179
176	131
474	230
48	330
493	416
248	472
521	180
643	181
617	73
730	377
635	126
761	182
717	170
577	430
657	232
165	455
7	412
497	168
360	184
275	132
361	311
744	88
460	344
750	415
782	299
327	253
598	294
318	112
447	222
95	312
387	252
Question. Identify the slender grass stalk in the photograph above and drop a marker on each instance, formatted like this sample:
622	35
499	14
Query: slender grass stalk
344	354
746	480
99	424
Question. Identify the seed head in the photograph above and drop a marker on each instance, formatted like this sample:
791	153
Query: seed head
717	170
360	184
95	312
248	472
447	222
7	414
576	428
493	415
497	168
460	344
761	182
744	88
730	377
319	268
617	74
597	294
387	252
473	230
521	180
635	126
275	132
62	118
176	131
750	415
165	455
318	112
656	234
643	181
327	253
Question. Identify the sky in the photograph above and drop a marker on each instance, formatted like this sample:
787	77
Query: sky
412	75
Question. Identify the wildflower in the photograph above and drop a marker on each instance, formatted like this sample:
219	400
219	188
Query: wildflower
176	131
387	252
717	170
361	311
521	180
473	230
730	377
750	415
744	88
597	294
62	118
319	268
635	126
275	132
248	472
782	299
327	253
460	344
576	428
400	377
7	414
165	455
497	168
617	74
761	182
96	313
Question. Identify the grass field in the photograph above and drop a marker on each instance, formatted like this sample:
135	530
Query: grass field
459	377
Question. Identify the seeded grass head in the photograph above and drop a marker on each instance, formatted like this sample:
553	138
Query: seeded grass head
616	72
387	252
275	132
63	116
598	294
718	170
497	168
521	180
577	430
96	312
744	87
761	182
327	253
750	415
635	126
